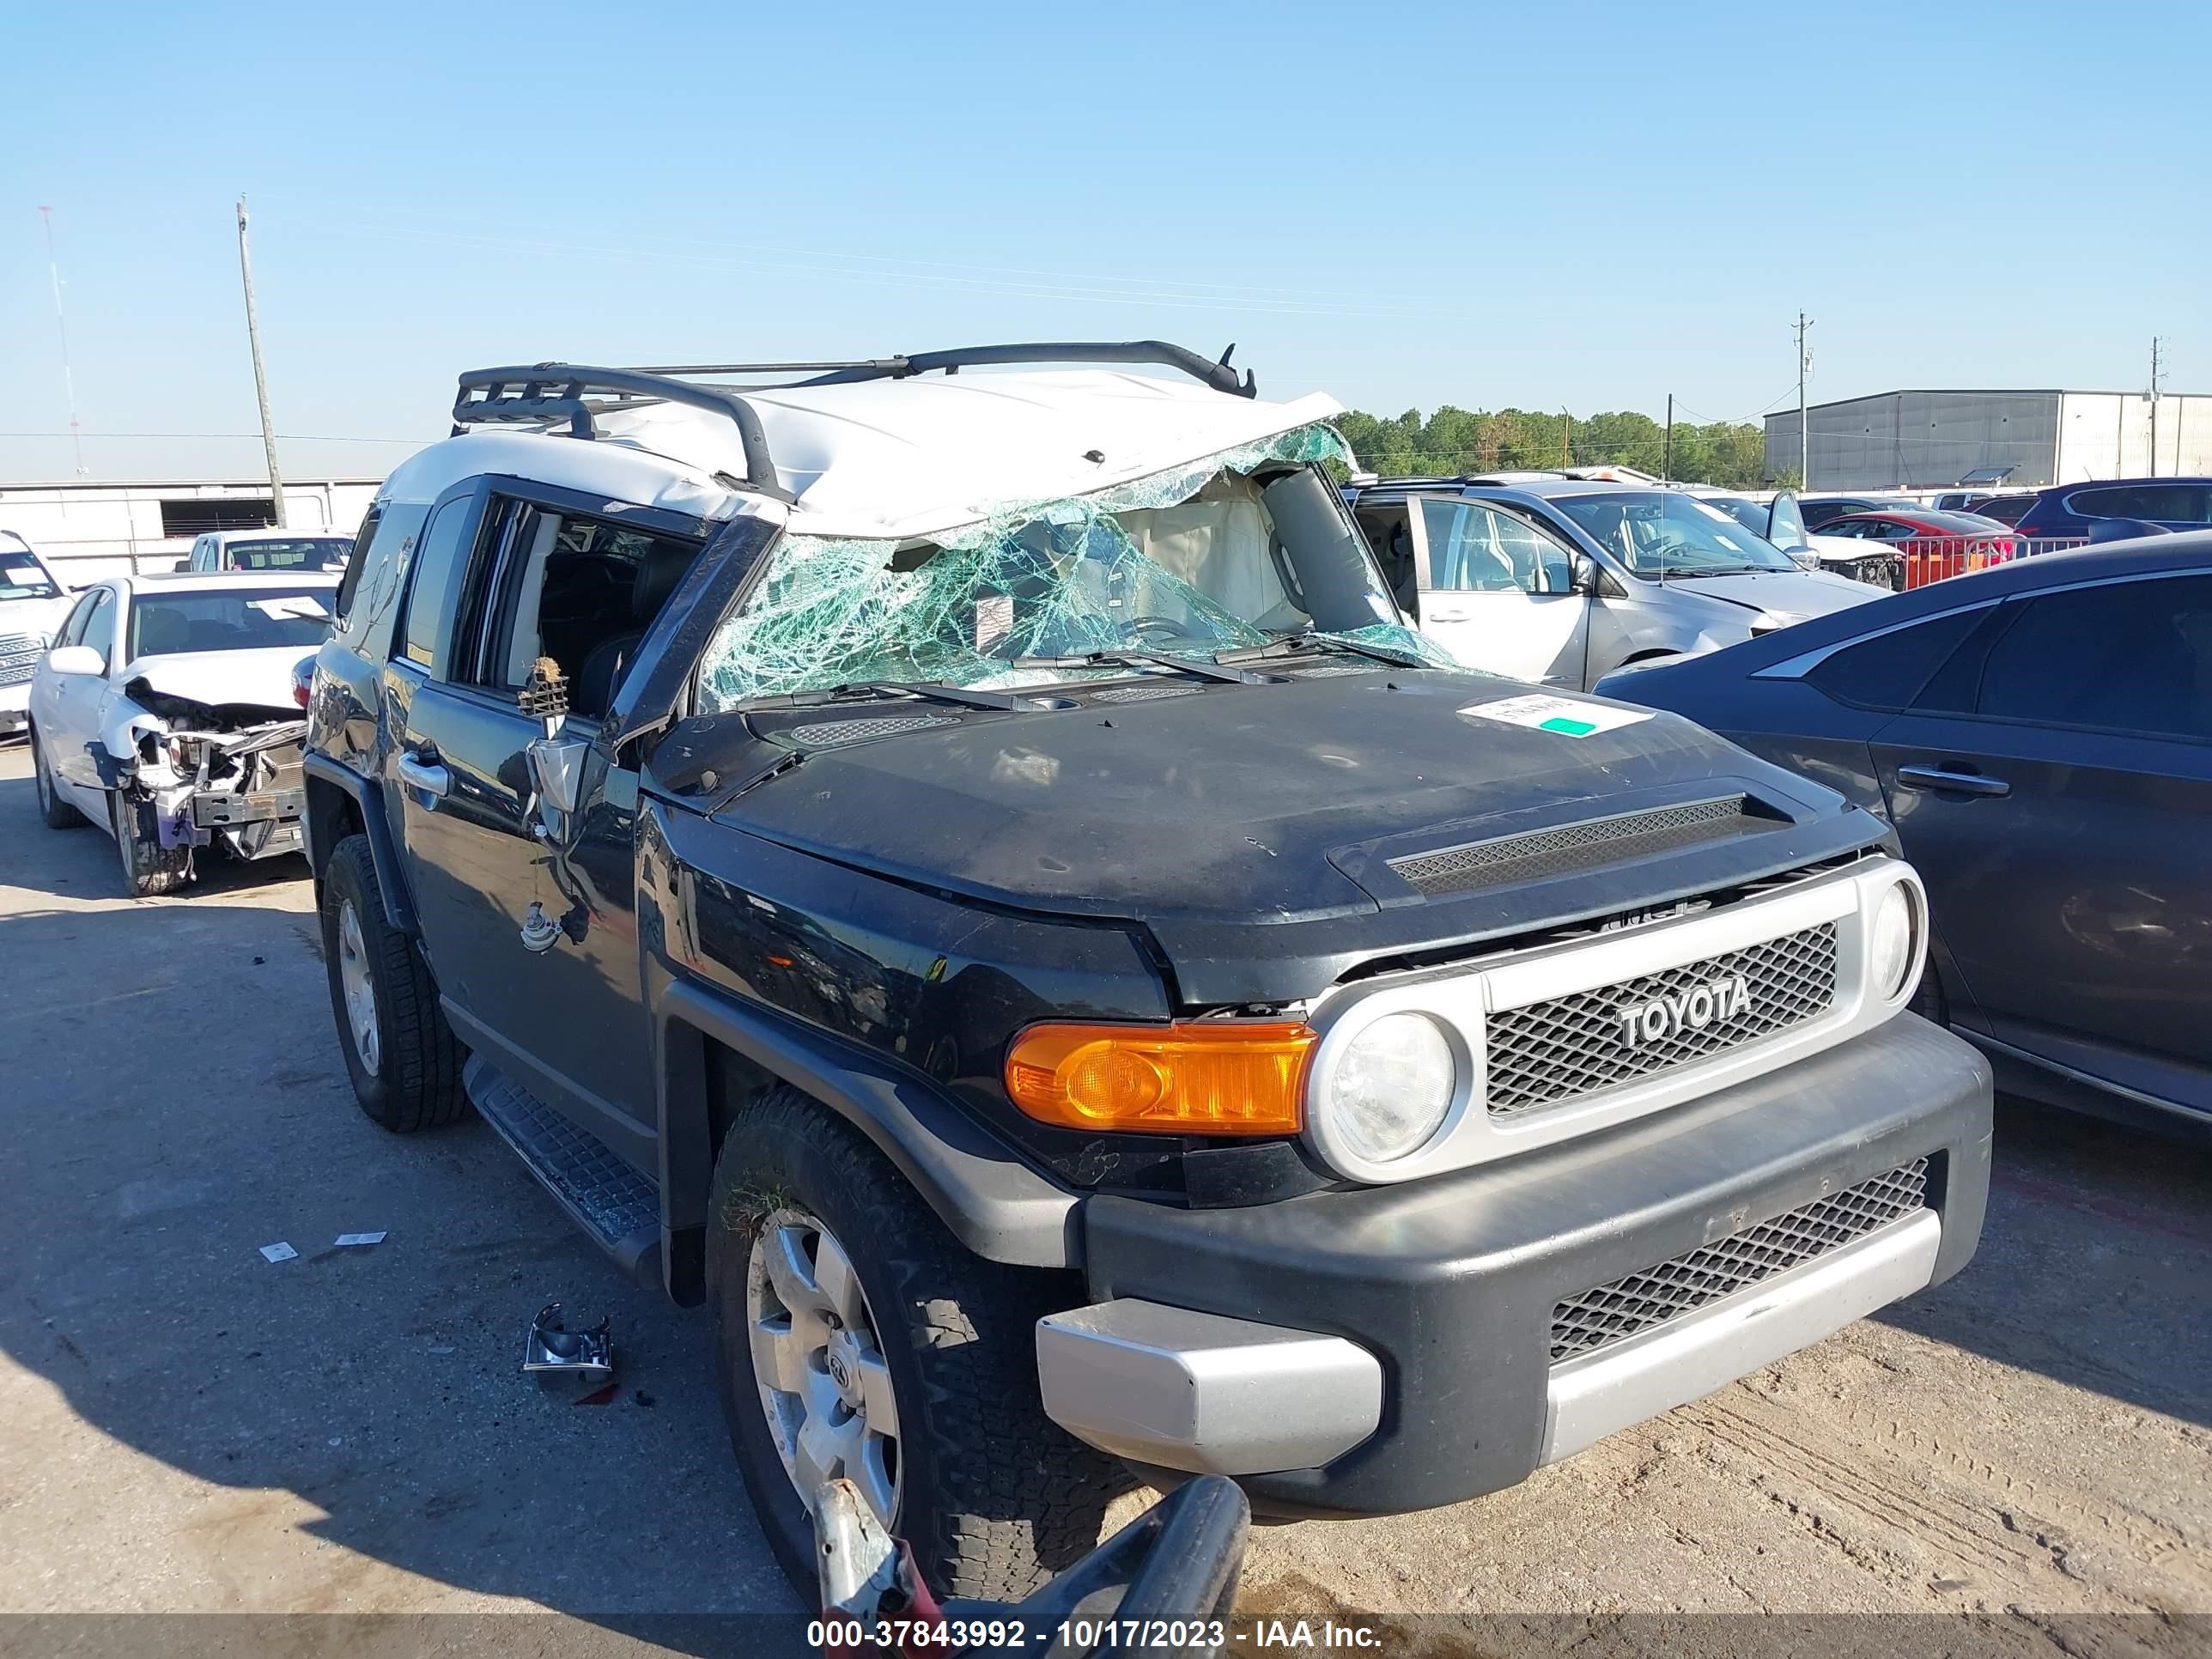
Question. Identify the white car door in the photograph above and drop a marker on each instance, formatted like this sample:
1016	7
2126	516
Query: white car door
73	708
1498	593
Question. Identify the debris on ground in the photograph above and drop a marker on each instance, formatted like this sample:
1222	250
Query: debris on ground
552	1347
279	1251
345	1240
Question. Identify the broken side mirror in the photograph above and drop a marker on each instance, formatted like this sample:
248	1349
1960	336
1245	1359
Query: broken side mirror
557	763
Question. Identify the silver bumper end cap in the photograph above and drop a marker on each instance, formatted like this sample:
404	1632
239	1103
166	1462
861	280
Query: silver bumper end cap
1688	1358
1198	1391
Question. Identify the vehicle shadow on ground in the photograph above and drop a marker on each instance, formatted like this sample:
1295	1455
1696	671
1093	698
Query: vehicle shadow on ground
82	862
177	1100
2092	1265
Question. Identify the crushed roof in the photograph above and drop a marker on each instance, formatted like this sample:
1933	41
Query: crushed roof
891	457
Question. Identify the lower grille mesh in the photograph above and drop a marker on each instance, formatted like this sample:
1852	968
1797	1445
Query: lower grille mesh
1612	1313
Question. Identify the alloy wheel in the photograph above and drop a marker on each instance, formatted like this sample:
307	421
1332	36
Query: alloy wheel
824	1387
359	985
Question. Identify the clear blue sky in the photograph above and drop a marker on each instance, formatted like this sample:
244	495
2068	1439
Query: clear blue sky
1405	206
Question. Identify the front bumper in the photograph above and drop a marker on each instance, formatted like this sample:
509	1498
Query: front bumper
15	706
1448	1286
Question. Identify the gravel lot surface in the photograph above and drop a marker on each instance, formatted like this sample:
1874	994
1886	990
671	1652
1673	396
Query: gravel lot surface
185	1426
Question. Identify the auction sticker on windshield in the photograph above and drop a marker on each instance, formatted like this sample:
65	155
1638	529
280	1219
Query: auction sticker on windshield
1568	716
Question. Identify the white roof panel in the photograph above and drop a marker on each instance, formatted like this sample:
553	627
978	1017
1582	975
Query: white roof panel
891	458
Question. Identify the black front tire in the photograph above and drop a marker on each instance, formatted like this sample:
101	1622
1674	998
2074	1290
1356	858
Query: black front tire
995	1497
412	1077
149	869
54	810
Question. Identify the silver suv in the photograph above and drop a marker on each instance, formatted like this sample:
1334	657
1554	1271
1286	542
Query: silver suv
1562	581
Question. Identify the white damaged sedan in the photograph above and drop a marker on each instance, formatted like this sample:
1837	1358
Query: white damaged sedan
170	711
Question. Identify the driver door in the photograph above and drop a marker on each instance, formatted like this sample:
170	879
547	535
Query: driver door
1498	593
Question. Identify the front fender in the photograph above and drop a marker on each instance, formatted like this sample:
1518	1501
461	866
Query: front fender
331	786
987	1197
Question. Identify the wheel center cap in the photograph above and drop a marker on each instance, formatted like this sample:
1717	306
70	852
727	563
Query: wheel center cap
842	1361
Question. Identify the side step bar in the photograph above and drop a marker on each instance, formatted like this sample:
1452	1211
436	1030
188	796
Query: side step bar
616	1204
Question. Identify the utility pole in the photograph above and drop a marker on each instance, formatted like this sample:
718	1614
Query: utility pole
1804	441
1667	446
260	380
2154	369
1566	438
61	327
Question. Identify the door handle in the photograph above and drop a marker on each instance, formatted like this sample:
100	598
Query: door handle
1957	783
426	775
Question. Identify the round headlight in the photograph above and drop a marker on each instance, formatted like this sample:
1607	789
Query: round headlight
1894	941
1390	1088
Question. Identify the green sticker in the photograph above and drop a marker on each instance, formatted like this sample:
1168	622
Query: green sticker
1562	716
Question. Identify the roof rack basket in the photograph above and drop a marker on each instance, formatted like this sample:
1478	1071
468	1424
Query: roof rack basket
542	393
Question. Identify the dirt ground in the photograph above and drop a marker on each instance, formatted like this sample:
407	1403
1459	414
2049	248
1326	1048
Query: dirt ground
186	1427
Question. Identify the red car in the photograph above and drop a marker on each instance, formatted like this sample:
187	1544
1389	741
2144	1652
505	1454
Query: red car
1934	544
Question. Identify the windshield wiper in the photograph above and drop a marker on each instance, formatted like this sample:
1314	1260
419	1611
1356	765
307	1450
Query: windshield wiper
925	690
1299	645
1723	570
1141	659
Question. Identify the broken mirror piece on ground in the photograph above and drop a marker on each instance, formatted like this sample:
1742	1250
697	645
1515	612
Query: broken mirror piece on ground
552	1349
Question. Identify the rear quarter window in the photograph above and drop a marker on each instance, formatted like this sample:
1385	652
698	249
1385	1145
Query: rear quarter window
1890	669
366	596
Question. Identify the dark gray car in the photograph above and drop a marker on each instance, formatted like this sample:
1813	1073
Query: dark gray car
2041	736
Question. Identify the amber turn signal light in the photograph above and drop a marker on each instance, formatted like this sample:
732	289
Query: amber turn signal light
1193	1077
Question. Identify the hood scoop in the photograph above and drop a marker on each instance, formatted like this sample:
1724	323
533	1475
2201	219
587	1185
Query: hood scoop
1142	693
1533	855
824	734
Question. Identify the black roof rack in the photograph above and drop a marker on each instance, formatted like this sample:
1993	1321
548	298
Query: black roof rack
543	392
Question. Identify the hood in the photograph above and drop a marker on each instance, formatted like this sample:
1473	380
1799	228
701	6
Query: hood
1783	596
1261	804
259	678
39	616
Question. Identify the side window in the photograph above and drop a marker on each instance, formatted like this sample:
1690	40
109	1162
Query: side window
100	626
1855	531
377	575
1889	670
2174	503
1474	549
72	627
2130	657
548	583
439	561
355	561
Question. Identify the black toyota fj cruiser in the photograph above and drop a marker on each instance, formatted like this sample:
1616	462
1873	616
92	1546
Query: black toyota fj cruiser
968	876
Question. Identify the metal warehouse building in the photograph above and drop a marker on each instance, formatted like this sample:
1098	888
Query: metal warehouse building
1924	440
89	531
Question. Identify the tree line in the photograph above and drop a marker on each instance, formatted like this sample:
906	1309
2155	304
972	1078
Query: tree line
1453	441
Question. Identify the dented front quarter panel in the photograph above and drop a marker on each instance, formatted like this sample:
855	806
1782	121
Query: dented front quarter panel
921	980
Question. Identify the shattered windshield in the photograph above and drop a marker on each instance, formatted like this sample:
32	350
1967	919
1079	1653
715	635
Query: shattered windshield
1230	552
